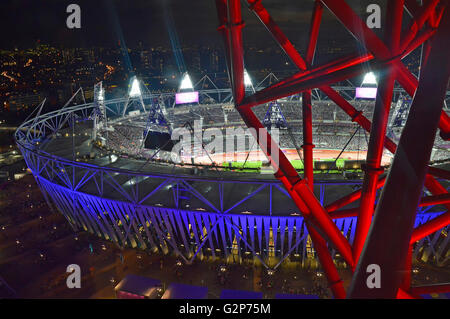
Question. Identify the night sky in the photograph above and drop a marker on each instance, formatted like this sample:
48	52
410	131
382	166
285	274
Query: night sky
25	22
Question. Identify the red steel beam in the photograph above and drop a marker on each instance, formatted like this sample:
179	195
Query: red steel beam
378	130
336	64
345	62
314	31
435	187
222	14
344	213
295	187
435	200
432	185
413	8
317	78
430	227
402	294
417	22
350	198
236	50
296	58
308	139
302	195
284	43
334	280
420	39
361	32
306	101
389	237
356	26
284	168
426	201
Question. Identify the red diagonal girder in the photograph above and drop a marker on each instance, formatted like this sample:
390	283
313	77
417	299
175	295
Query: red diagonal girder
378	130
302	195
284	42
377	47
405	78
306	100
441	199
389	240
420	17
365	35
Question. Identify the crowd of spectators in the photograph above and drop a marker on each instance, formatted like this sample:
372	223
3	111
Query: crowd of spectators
332	128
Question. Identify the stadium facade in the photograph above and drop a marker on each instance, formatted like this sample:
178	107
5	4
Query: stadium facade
103	181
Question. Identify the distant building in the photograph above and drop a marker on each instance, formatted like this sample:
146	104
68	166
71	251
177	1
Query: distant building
19	101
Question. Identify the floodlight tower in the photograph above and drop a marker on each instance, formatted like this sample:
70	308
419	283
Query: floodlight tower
134	95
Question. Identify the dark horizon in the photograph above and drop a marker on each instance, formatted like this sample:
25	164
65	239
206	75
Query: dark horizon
25	23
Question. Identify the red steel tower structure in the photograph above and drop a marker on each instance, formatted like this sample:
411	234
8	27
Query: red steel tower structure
385	231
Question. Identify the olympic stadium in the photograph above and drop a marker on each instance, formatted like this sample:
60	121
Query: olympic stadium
92	163
309	169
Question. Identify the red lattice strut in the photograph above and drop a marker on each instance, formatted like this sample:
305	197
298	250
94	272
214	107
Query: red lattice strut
429	26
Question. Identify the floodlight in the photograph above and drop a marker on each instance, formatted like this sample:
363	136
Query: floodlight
247	80
101	95
369	78
186	82
135	89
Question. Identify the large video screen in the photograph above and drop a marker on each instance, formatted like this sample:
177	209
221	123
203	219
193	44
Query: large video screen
186	97
366	93
159	140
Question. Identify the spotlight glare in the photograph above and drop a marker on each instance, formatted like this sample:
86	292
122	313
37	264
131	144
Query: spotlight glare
135	89
370	78
247	80
186	83
101	95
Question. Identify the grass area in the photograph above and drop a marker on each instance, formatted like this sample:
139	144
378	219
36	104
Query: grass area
249	166
339	162
298	165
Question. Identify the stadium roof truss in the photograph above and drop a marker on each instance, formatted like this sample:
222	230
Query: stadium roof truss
388	244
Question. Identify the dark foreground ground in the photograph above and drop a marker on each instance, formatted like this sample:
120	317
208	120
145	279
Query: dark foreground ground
37	245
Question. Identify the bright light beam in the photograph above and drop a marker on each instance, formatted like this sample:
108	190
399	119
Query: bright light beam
135	89
369	78
186	83
247	80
